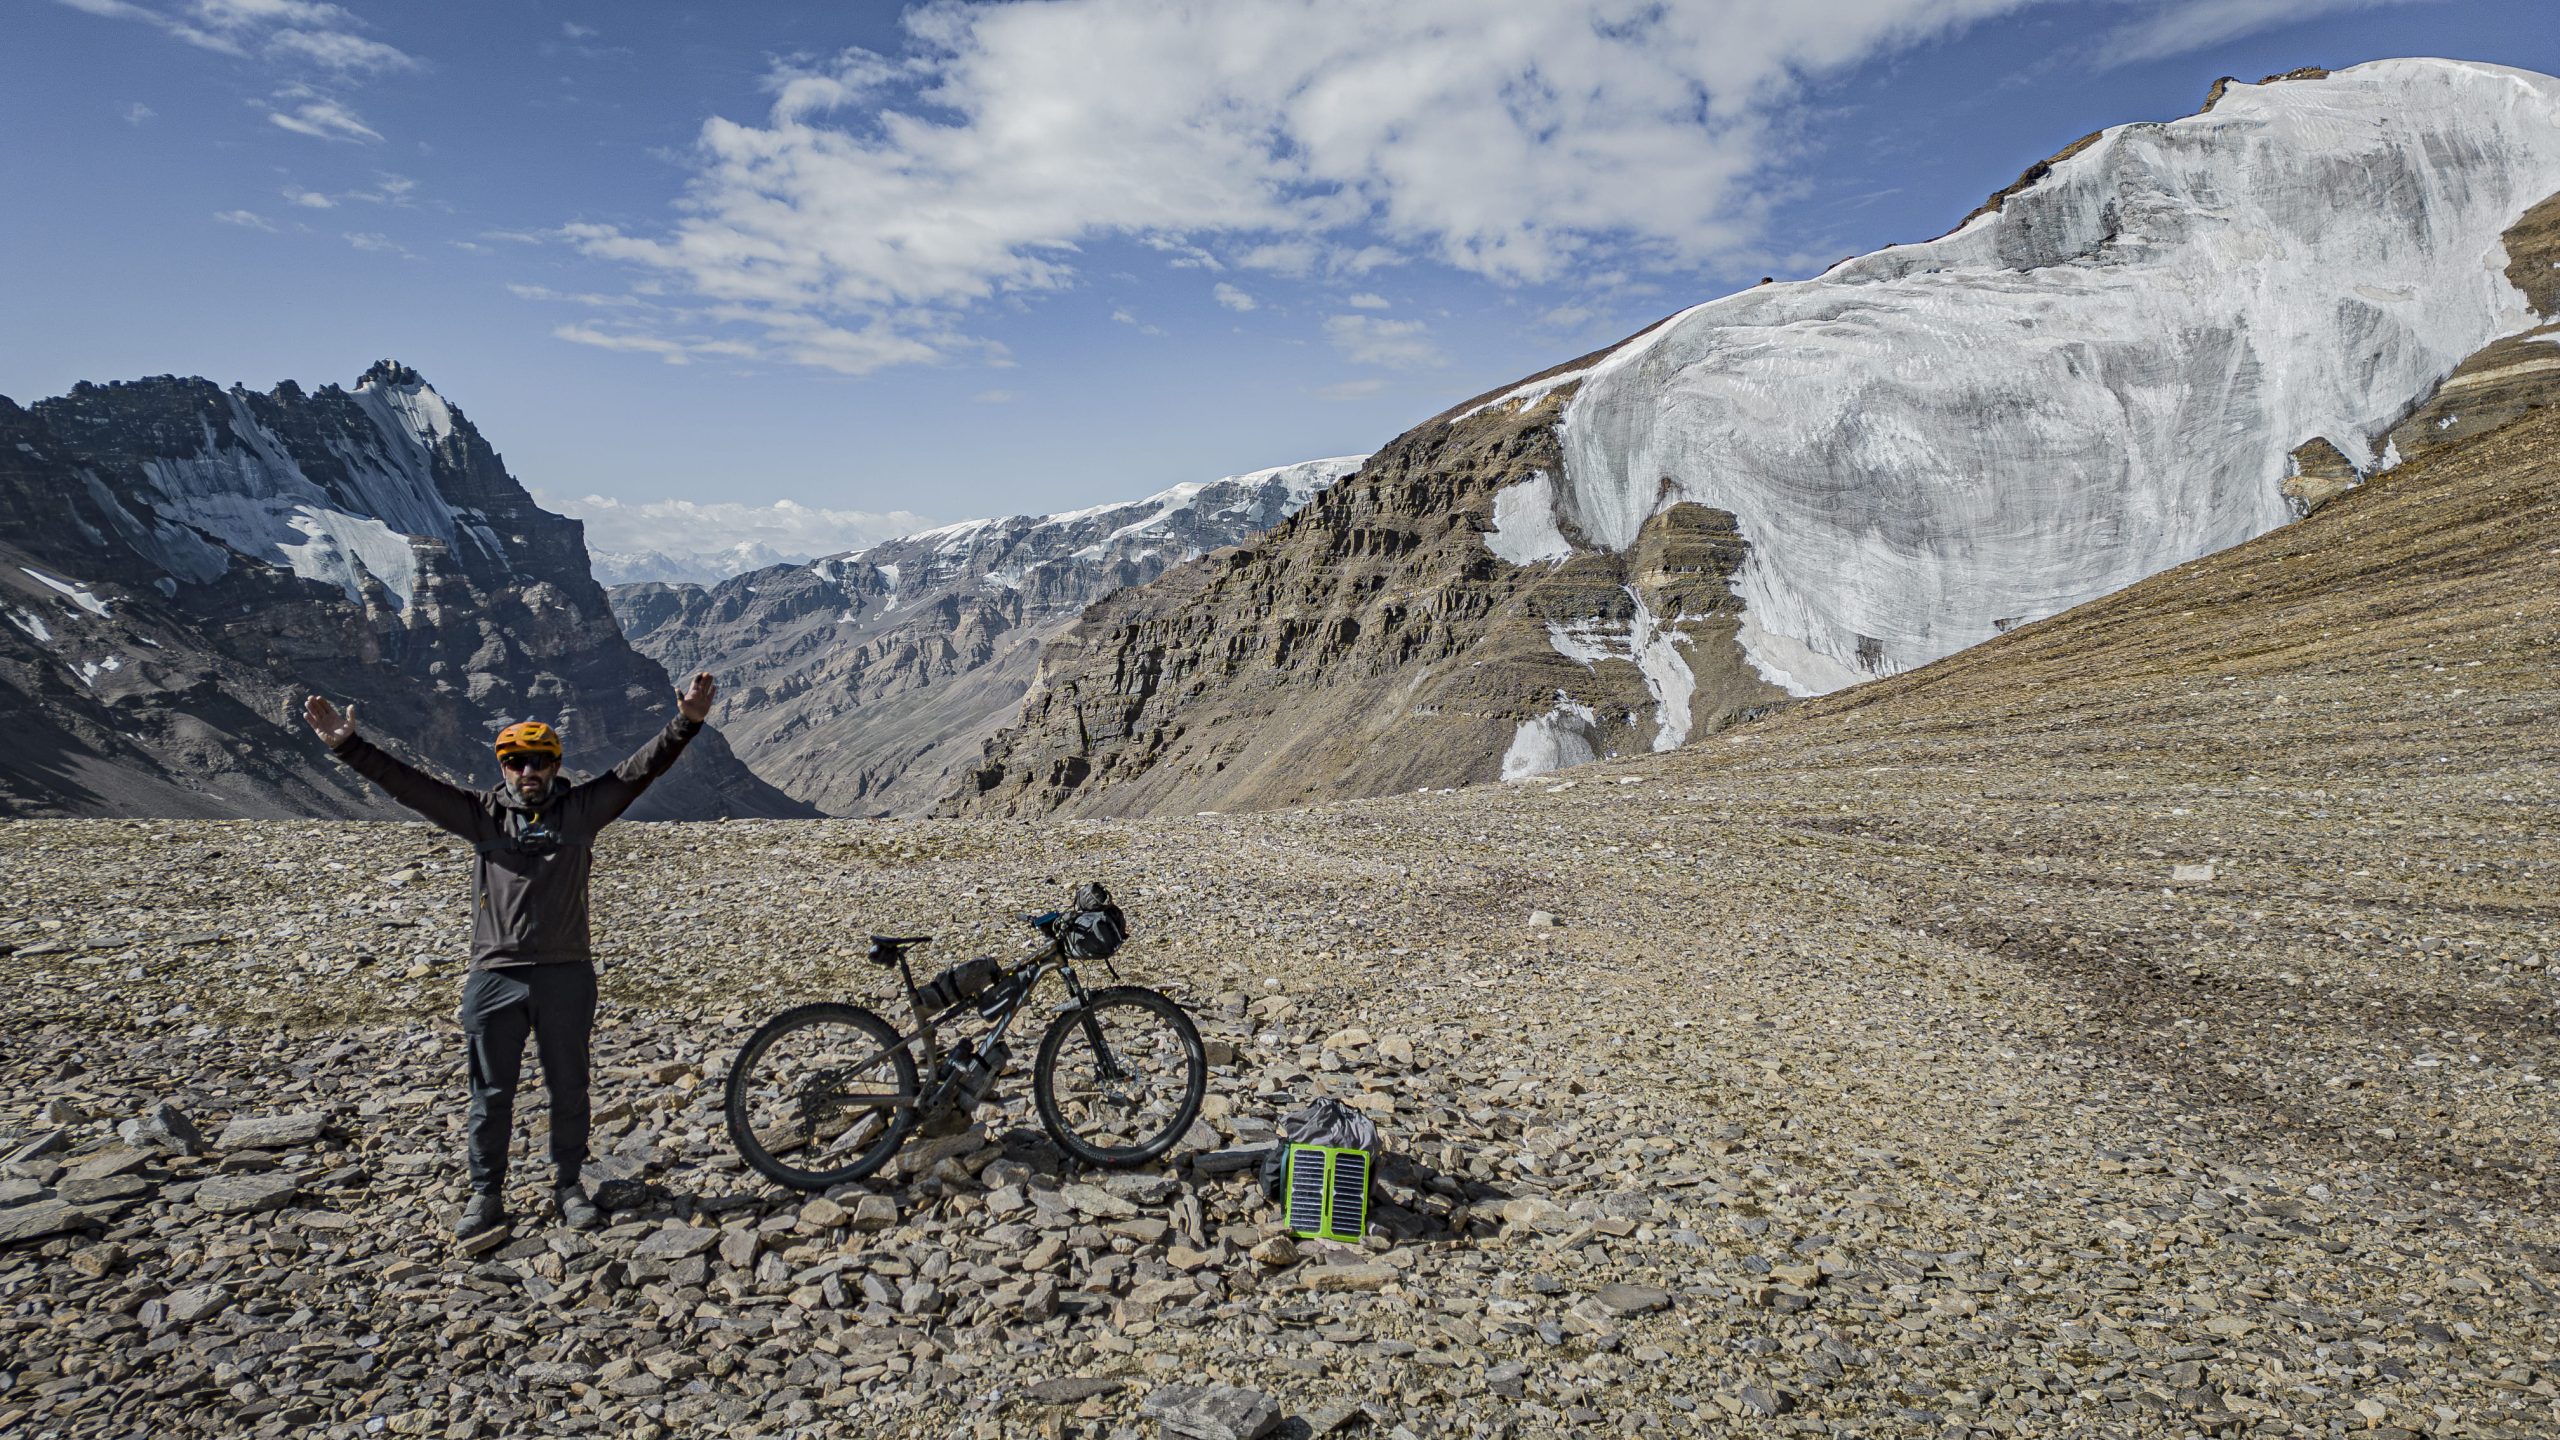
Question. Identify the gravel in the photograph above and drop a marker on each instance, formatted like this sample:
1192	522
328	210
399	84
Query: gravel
1874	1087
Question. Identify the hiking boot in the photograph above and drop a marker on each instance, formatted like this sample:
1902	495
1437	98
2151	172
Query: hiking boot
576	1210
485	1211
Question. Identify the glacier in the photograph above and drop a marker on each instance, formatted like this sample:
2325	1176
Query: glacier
2100	379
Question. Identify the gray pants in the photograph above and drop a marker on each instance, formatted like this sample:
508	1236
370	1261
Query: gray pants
556	1005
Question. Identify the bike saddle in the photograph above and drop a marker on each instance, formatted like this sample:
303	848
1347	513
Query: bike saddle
885	949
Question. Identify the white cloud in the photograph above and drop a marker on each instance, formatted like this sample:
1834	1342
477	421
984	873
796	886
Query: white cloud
638	342
995	397
1365	300
2180	26
888	196
1352	389
249	219
685	528
1233	298
309	199
576	31
1567	317
194	35
376	243
288	32
346	54
323	119
1391	344
589	298
137	112
1293	258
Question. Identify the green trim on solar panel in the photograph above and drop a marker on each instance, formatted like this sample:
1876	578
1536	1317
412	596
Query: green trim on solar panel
1327	1194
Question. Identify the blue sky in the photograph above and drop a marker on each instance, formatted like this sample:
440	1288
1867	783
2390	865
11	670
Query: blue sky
928	262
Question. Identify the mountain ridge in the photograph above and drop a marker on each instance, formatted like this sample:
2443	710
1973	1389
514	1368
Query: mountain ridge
238	549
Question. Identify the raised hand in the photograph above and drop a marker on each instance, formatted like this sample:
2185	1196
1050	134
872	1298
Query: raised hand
695	702
326	722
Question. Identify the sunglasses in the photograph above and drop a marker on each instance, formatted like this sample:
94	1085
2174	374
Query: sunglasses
529	762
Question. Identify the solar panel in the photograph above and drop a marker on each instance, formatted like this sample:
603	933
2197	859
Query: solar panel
1306	1189
1328	1193
1347	1214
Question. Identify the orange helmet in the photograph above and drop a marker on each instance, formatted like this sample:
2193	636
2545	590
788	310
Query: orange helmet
529	737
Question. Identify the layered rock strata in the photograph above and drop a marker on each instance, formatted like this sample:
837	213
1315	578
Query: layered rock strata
1408	629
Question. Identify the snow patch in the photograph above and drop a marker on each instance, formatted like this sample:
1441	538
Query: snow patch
413	410
1523	395
1524	523
1646	642
76	592
33	624
1550	742
2100	380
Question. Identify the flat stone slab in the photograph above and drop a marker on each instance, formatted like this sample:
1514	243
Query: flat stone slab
1346	1277
44	1218
1097	1202
1071	1389
83	1191
114	1160
676	1242
194	1303
1633	1299
273	1132
1212	1412
246	1194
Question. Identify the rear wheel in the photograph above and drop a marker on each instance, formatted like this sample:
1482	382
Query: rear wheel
821	1094
1120	1078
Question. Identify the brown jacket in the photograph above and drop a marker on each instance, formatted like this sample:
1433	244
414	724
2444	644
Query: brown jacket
528	899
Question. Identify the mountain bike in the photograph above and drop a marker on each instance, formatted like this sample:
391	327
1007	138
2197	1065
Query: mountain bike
826	1093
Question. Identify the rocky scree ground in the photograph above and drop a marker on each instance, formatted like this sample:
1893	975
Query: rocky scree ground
2138	1026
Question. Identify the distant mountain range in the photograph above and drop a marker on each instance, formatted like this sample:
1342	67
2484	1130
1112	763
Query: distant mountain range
697	567
180	564
866	683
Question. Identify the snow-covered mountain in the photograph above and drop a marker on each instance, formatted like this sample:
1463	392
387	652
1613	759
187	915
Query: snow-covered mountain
864	683
2103	376
704	567
2170	338
182	563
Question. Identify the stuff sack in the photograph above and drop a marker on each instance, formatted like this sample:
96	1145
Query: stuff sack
960	984
1097	928
1326	1122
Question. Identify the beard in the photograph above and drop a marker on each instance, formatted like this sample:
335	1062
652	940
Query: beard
534	791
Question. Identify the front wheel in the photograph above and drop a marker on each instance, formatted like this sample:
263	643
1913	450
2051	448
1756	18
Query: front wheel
821	1095
1120	1077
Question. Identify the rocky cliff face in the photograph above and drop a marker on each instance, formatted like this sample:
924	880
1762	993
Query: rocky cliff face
867	683
1394	634
2167	340
182	563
